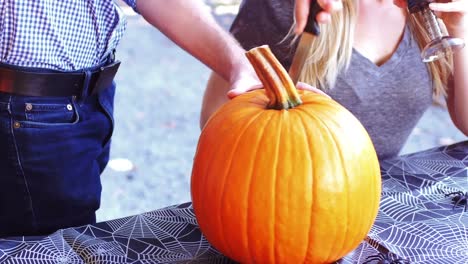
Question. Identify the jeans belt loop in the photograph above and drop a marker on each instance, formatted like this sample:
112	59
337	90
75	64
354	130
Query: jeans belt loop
86	82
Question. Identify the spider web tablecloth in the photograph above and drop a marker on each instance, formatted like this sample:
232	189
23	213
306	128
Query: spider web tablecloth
416	222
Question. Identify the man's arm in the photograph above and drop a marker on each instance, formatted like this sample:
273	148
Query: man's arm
191	26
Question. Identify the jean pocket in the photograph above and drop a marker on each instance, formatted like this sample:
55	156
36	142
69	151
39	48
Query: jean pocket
106	102
3	107
44	114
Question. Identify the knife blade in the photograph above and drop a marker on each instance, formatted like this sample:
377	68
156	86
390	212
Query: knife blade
311	30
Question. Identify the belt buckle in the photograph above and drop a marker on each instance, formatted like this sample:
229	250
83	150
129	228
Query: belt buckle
105	77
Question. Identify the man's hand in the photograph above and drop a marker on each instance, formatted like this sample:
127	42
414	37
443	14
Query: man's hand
244	85
302	12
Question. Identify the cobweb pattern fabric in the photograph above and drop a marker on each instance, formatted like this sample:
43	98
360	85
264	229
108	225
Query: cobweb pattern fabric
417	223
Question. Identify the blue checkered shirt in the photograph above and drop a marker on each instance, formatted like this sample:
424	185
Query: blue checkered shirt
59	34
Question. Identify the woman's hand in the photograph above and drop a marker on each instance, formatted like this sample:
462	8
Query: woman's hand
454	13
455	16
302	12
306	87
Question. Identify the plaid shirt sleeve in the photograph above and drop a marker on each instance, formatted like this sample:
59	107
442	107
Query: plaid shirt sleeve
132	4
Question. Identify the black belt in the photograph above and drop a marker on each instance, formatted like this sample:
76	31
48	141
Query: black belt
30	83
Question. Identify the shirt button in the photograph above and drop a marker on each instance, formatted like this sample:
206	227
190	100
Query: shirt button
29	107
69	107
16	125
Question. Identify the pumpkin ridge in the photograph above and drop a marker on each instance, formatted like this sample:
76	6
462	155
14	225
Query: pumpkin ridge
314	189
367	226
205	179
332	136
309	229
372	214
288	139
271	116
196	186
346	179
275	180
226	176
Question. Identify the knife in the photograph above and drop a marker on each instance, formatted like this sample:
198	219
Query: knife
311	30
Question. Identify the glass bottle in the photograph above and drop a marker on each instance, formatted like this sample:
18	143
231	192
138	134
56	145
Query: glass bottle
440	45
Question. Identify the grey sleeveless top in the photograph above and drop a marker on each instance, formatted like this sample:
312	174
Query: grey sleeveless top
388	100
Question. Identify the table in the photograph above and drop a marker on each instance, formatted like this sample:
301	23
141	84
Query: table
417	223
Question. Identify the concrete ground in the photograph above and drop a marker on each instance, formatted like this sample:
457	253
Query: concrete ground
157	110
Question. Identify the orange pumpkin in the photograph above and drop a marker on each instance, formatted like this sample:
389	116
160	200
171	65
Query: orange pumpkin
282	176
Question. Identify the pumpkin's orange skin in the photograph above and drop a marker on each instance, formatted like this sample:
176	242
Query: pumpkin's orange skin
285	186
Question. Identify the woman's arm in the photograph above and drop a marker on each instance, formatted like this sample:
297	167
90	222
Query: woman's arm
455	16
214	97
457	100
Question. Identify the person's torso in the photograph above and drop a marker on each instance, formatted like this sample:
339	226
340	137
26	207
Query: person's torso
60	35
388	99
379	30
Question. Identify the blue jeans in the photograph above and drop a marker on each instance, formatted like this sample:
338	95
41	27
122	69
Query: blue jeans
52	152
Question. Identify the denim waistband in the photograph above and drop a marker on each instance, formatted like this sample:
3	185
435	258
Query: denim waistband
80	83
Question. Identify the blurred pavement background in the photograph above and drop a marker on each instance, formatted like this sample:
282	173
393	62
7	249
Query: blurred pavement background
159	91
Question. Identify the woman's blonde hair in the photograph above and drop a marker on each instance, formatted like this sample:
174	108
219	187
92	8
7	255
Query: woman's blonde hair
440	70
331	52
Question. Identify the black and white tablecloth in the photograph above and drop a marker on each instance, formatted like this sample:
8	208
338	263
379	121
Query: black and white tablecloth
418	222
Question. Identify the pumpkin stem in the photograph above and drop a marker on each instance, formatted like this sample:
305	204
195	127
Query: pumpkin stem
279	87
